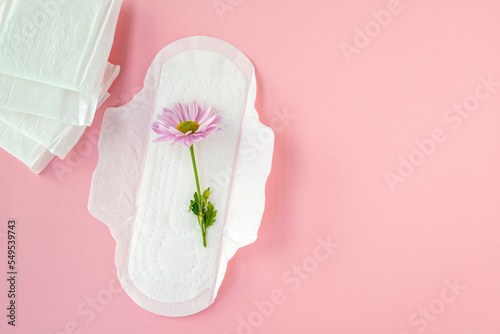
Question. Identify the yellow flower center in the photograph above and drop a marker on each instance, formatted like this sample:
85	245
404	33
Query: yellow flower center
188	126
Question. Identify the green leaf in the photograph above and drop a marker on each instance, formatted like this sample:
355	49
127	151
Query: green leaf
195	208
209	215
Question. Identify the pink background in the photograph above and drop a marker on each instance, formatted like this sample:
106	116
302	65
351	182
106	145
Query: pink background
346	127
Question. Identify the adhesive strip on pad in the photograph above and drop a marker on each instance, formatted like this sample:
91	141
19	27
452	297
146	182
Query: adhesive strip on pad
141	190
49	81
57	136
32	153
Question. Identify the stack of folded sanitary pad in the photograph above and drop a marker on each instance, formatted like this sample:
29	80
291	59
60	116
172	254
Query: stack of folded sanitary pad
54	73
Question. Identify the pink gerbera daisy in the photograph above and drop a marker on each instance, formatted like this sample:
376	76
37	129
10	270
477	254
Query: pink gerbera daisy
186	123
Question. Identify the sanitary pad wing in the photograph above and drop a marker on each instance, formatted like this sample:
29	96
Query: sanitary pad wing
141	190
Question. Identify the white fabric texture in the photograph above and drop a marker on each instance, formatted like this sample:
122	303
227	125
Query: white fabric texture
53	55
141	190
58	137
31	152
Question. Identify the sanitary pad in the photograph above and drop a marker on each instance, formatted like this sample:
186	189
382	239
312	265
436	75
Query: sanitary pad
56	136
32	153
141	190
53	55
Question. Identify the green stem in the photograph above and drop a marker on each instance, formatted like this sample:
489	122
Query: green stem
203	234
200	220
191	149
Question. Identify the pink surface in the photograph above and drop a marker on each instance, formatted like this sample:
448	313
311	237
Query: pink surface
409	102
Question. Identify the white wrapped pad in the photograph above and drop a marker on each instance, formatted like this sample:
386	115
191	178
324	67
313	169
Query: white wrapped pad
32	153
57	136
53	55
28	151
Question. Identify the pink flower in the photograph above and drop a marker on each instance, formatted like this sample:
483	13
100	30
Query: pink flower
186	123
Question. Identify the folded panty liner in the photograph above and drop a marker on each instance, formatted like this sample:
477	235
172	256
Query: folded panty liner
58	137
141	190
53	55
33	154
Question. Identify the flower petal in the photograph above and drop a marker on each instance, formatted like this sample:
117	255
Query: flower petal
185	112
175	131
180	112
197	139
156	127
163	138
177	107
188	141
202	128
217	119
211	128
211	119
165	111
204	114
168	119
193	111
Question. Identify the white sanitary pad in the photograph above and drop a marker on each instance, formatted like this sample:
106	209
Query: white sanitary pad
53	55
56	136
141	190
32	153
